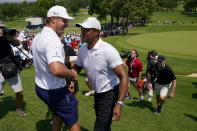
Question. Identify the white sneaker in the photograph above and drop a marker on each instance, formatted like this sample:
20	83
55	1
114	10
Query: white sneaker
149	98
129	98
140	98
51	122
91	92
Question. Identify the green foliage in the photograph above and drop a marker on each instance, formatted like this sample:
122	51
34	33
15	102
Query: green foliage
43	7
169	4
73	6
38	8
9	11
190	6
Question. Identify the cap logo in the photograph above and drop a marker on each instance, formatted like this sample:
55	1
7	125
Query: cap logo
55	13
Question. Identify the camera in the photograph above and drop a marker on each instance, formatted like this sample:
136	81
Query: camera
151	57
126	54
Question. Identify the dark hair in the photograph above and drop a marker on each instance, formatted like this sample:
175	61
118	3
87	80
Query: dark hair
48	20
137	55
152	53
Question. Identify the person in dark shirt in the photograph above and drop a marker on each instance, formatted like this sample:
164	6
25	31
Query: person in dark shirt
69	52
73	86
6	56
152	60
164	78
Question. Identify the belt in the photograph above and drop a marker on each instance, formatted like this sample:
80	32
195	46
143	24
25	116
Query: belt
115	87
61	89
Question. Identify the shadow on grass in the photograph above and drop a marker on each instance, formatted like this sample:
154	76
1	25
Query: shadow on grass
194	83
191	116
7	104
84	91
143	105
83	74
44	125
133	34
67	129
194	95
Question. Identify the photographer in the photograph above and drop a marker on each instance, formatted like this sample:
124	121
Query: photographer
152	61
134	71
8	68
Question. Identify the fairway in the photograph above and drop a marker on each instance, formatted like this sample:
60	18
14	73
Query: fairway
174	42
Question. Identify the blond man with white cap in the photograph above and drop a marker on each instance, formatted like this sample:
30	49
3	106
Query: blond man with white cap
48	58
103	67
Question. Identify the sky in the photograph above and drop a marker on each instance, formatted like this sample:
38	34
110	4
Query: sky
7	1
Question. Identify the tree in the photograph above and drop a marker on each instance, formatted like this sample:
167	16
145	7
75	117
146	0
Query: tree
168	4
74	6
98	7
43	6
126	9
9	11
190	6
136	9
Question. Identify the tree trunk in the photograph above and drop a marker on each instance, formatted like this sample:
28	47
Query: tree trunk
127	21
117	20
112	19
123	26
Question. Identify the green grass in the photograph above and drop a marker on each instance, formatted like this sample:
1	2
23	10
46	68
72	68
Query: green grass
179	46
175	42
178	113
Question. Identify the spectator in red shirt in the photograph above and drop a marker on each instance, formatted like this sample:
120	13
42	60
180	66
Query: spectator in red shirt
134	71
74	44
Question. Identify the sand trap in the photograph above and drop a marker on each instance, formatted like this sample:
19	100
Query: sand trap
190	75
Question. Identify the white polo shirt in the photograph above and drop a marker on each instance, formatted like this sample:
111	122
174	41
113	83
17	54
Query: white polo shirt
47	48
98	64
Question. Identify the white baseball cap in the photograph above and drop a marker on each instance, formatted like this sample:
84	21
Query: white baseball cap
90	22
59	11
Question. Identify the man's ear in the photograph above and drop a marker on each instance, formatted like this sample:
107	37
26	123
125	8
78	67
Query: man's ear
97	32
52	19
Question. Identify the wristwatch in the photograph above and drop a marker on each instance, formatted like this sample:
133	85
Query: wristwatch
120	102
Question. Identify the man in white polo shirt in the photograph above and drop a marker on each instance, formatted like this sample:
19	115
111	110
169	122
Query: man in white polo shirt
102	64
49	58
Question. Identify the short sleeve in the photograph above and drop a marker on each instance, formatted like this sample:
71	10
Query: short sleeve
54	51
171	73
79	59
127	62
113	57
140	67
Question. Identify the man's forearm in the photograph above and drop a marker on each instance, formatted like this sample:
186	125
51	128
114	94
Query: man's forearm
58	69
123	88
148	77
139	76
65	73
77	68
173	86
